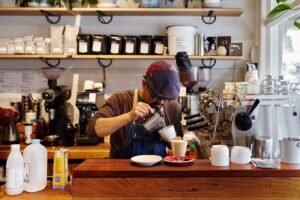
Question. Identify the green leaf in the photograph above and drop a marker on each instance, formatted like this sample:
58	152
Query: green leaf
297	24
278	9
278	1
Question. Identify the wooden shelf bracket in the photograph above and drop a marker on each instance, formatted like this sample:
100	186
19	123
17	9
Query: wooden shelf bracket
210	18
102	16
49	17
46	60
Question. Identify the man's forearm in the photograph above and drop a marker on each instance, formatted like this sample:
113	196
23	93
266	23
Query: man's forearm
107	126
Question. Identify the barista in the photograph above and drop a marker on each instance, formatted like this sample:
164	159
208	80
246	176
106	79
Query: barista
123	114
7	115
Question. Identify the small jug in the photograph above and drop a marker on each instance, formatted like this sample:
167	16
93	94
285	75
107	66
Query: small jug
154	122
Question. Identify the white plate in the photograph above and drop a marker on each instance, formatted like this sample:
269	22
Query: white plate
146	160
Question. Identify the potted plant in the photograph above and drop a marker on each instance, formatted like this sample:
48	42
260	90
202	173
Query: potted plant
282	7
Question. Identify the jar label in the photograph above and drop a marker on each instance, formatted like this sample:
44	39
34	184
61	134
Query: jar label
144	48
26	172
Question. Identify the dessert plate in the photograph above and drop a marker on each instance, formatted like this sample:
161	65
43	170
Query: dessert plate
146	160
187	160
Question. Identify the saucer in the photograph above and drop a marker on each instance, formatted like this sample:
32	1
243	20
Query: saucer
187	160
146	160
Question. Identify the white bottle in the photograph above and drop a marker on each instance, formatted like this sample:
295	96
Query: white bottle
35	167
14	171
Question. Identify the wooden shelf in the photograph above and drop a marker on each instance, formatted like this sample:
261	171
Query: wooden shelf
153	57
35	56
35	11
98	151
160	11
118	57
125	11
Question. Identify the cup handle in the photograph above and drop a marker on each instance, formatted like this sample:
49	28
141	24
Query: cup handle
298	144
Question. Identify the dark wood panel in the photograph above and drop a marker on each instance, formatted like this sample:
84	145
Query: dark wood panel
187	188
201	168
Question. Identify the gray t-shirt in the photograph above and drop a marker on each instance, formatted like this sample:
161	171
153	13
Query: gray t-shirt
122	102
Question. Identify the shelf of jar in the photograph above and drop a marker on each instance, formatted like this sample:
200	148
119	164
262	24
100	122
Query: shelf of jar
160	11
154	57
34	56
34	11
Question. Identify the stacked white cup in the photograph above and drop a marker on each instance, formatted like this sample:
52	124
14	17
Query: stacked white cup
240	155
219	155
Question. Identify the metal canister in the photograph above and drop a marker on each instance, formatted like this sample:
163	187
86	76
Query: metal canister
263	147
18	106
201	44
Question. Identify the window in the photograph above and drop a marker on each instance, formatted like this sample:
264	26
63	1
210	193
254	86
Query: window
279	42
290	65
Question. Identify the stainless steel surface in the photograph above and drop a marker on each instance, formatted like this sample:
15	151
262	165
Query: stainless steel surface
155	122
204	76
201	44
189	76
10	134
189	104
263	147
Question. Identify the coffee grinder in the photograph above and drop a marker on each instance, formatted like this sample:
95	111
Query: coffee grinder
55	98
88	103
189	77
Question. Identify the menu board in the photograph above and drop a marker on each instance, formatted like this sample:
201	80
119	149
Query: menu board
21	81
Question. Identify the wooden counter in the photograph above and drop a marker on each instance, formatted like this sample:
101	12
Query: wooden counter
113	179
46	194
100	150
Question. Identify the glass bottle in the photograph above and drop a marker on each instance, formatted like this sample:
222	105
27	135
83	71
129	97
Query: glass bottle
69	137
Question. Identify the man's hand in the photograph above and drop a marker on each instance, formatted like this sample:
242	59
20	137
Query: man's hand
140	110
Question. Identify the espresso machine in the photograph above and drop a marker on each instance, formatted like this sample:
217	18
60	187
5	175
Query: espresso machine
88	103
55	98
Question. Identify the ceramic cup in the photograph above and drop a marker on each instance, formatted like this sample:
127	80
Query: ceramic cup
88	85
167	133
219	155
240	155
179	148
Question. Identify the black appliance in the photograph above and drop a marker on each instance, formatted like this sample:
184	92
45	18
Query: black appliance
55	98
88	103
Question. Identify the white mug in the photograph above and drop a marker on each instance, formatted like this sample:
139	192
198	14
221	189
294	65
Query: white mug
167	133
240	155
88	85
219	155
